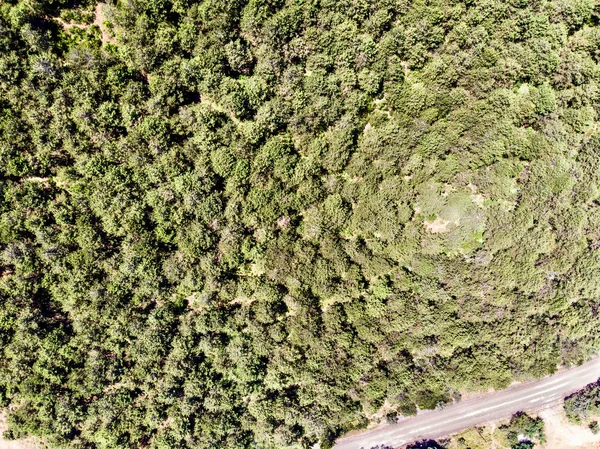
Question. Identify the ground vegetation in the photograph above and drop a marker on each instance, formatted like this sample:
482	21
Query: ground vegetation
255	224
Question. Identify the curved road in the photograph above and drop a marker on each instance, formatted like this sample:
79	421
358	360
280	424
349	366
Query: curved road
501	404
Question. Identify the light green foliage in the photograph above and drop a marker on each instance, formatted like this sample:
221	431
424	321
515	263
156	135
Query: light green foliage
523	430
251	224
475	438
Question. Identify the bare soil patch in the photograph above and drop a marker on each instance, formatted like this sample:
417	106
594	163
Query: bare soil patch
437	226
28	443
99	20
562	434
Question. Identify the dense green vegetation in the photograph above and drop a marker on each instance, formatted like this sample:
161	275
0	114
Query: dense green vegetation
250	224
522	430
583	404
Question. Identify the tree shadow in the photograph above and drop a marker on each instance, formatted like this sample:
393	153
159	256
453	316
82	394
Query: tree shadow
425	444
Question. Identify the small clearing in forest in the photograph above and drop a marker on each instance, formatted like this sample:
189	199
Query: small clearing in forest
437	226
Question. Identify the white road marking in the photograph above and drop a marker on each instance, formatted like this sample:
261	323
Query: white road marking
487	409
537	393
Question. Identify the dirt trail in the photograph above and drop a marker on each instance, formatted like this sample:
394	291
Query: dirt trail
28	443
99	20
68	26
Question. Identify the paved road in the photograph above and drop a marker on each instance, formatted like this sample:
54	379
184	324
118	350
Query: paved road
501	404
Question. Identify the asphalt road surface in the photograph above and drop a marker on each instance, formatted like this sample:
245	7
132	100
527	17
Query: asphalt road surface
501	404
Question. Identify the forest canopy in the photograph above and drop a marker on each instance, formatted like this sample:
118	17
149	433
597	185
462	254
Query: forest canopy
258	224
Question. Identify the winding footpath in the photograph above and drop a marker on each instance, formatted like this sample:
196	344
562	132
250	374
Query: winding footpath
500	404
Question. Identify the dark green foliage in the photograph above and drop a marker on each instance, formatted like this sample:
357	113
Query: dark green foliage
523	445
251	224
425	444
522	430
584	403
